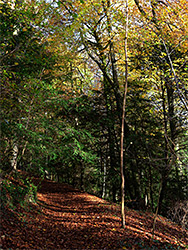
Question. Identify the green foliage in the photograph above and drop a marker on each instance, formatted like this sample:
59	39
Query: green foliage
16	190
25	61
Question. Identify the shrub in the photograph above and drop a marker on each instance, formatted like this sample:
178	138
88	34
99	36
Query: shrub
179	213
17	191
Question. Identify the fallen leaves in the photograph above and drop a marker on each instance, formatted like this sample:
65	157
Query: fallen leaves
66	218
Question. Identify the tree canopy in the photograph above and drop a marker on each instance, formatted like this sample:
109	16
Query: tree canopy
63	71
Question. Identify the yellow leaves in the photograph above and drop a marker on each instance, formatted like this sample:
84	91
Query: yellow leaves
163	54
152	134
183	2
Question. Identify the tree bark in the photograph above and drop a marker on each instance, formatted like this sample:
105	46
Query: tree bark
14	157
123	124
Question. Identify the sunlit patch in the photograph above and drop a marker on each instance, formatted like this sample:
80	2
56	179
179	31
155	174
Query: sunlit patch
65	218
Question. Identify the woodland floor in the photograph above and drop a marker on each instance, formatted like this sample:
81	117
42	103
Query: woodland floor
66	218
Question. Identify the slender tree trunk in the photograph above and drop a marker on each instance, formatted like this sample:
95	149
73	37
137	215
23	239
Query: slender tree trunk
173	125
14	157
104	181
123	123
81	176
165	170
157	209
151	187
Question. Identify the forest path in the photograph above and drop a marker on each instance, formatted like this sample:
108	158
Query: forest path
67	218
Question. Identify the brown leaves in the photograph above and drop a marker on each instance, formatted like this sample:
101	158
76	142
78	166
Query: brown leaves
71	219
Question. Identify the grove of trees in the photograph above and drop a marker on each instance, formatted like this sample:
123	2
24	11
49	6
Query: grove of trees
63	76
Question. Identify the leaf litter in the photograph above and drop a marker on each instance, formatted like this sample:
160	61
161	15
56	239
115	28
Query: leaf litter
67	218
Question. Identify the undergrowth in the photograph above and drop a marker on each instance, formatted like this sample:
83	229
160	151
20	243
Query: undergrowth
17	190
153	245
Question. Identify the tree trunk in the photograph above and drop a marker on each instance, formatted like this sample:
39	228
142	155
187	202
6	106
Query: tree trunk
123	124
104	182
14	157
166	167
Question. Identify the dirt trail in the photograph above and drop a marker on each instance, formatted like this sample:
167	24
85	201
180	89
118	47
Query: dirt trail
66	218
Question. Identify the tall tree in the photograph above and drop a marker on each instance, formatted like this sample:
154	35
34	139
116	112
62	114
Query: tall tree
123	122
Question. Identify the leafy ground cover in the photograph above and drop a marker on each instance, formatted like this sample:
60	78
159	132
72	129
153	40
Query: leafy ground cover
67	218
